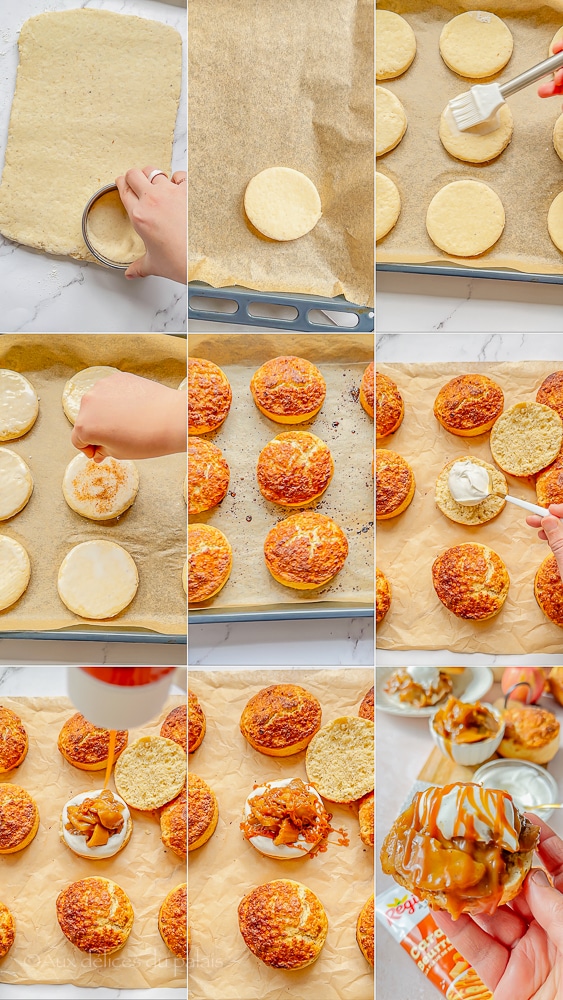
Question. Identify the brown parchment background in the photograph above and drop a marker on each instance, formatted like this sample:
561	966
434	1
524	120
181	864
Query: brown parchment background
30	880
527	175
282	84
408	544
152	530
345	427
227	867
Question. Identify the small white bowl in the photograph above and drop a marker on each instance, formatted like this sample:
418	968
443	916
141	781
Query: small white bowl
470	753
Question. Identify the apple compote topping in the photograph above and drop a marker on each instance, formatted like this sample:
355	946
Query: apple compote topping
462	722
285	814
97	818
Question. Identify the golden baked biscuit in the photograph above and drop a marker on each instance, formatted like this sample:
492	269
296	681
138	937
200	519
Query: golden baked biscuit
281	719
306	550
209	396
366	390
203	812
172	921
548	589
549	483
173	825
550	392
530	733
175	727
471	581
19	818
288	390
150	773
365	930
210	559
365	817
13	740
340	759
366	709
526	438
394	484
7	930
95	914
208	475
283	923
382	595
87	746
196	722
389	406
468	405
481	512
294	469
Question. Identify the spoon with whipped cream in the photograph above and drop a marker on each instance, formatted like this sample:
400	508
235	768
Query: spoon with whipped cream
470	484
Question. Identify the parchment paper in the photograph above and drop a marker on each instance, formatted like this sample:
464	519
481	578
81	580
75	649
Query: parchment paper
408	544
527	175
244	515
31	880
227	867
282	84
152	530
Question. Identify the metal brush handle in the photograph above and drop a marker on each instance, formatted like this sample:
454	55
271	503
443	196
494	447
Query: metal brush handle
531	75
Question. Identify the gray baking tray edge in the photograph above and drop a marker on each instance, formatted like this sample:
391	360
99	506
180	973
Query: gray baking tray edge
78	632
303	304
280	612
463	271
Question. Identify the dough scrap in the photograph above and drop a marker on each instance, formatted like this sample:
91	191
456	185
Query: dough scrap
15	571
100	490
387	205
555	221
390	121
465	218
96	93
473	148
97	579
476	44
395	45
79	385
16	484
110	231
282	203
19	405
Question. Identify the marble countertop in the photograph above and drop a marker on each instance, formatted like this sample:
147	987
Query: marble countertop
46	293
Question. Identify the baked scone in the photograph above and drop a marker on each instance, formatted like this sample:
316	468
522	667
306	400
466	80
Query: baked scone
366	709
468	405
7	930
79	385
19	818
550	392
531	733
365	930
306	550
150	773
394	484
19	405
203	812
173	825
288	389
294	469
208	475
172	921
556	683
13	740
96	824
196	722
548	589
481	512
281	719
389	406
367	390
285	819
463	848
209	396
95	914
15	571
100	490
16	484
210	559
175	727
86	746
382	595
97	579
526	438
365	817
471	581
549	483
340	759
283	923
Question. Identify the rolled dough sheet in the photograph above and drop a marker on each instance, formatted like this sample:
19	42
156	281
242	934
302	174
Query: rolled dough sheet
96	94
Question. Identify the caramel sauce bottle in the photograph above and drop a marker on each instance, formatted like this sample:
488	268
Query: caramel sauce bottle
119	697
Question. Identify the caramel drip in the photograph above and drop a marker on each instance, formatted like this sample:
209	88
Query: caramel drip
111	751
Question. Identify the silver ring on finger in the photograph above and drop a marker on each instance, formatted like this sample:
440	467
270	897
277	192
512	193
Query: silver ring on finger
155	173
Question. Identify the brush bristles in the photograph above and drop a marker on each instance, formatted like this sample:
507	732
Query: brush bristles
465	111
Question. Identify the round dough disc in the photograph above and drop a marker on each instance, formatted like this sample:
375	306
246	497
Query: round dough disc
555	221
390	121
473	148
465	218
387	205
19	405
97	579
100	490
15	571
556	38
282	203
476	44
558	137
396	45
79	385
16	484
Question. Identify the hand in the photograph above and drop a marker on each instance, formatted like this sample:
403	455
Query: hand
554	86
551	531
518	951
131	417
158	213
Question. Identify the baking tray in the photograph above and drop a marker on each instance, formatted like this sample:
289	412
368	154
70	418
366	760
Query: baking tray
460	271
280	612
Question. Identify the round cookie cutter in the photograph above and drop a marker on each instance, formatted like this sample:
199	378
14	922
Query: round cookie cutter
116	265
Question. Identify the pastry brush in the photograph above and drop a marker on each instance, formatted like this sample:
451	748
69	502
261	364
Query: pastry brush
479	106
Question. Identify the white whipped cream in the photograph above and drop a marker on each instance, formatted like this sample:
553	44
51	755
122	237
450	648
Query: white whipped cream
482	814
77	841
426	677
468	483
265	844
